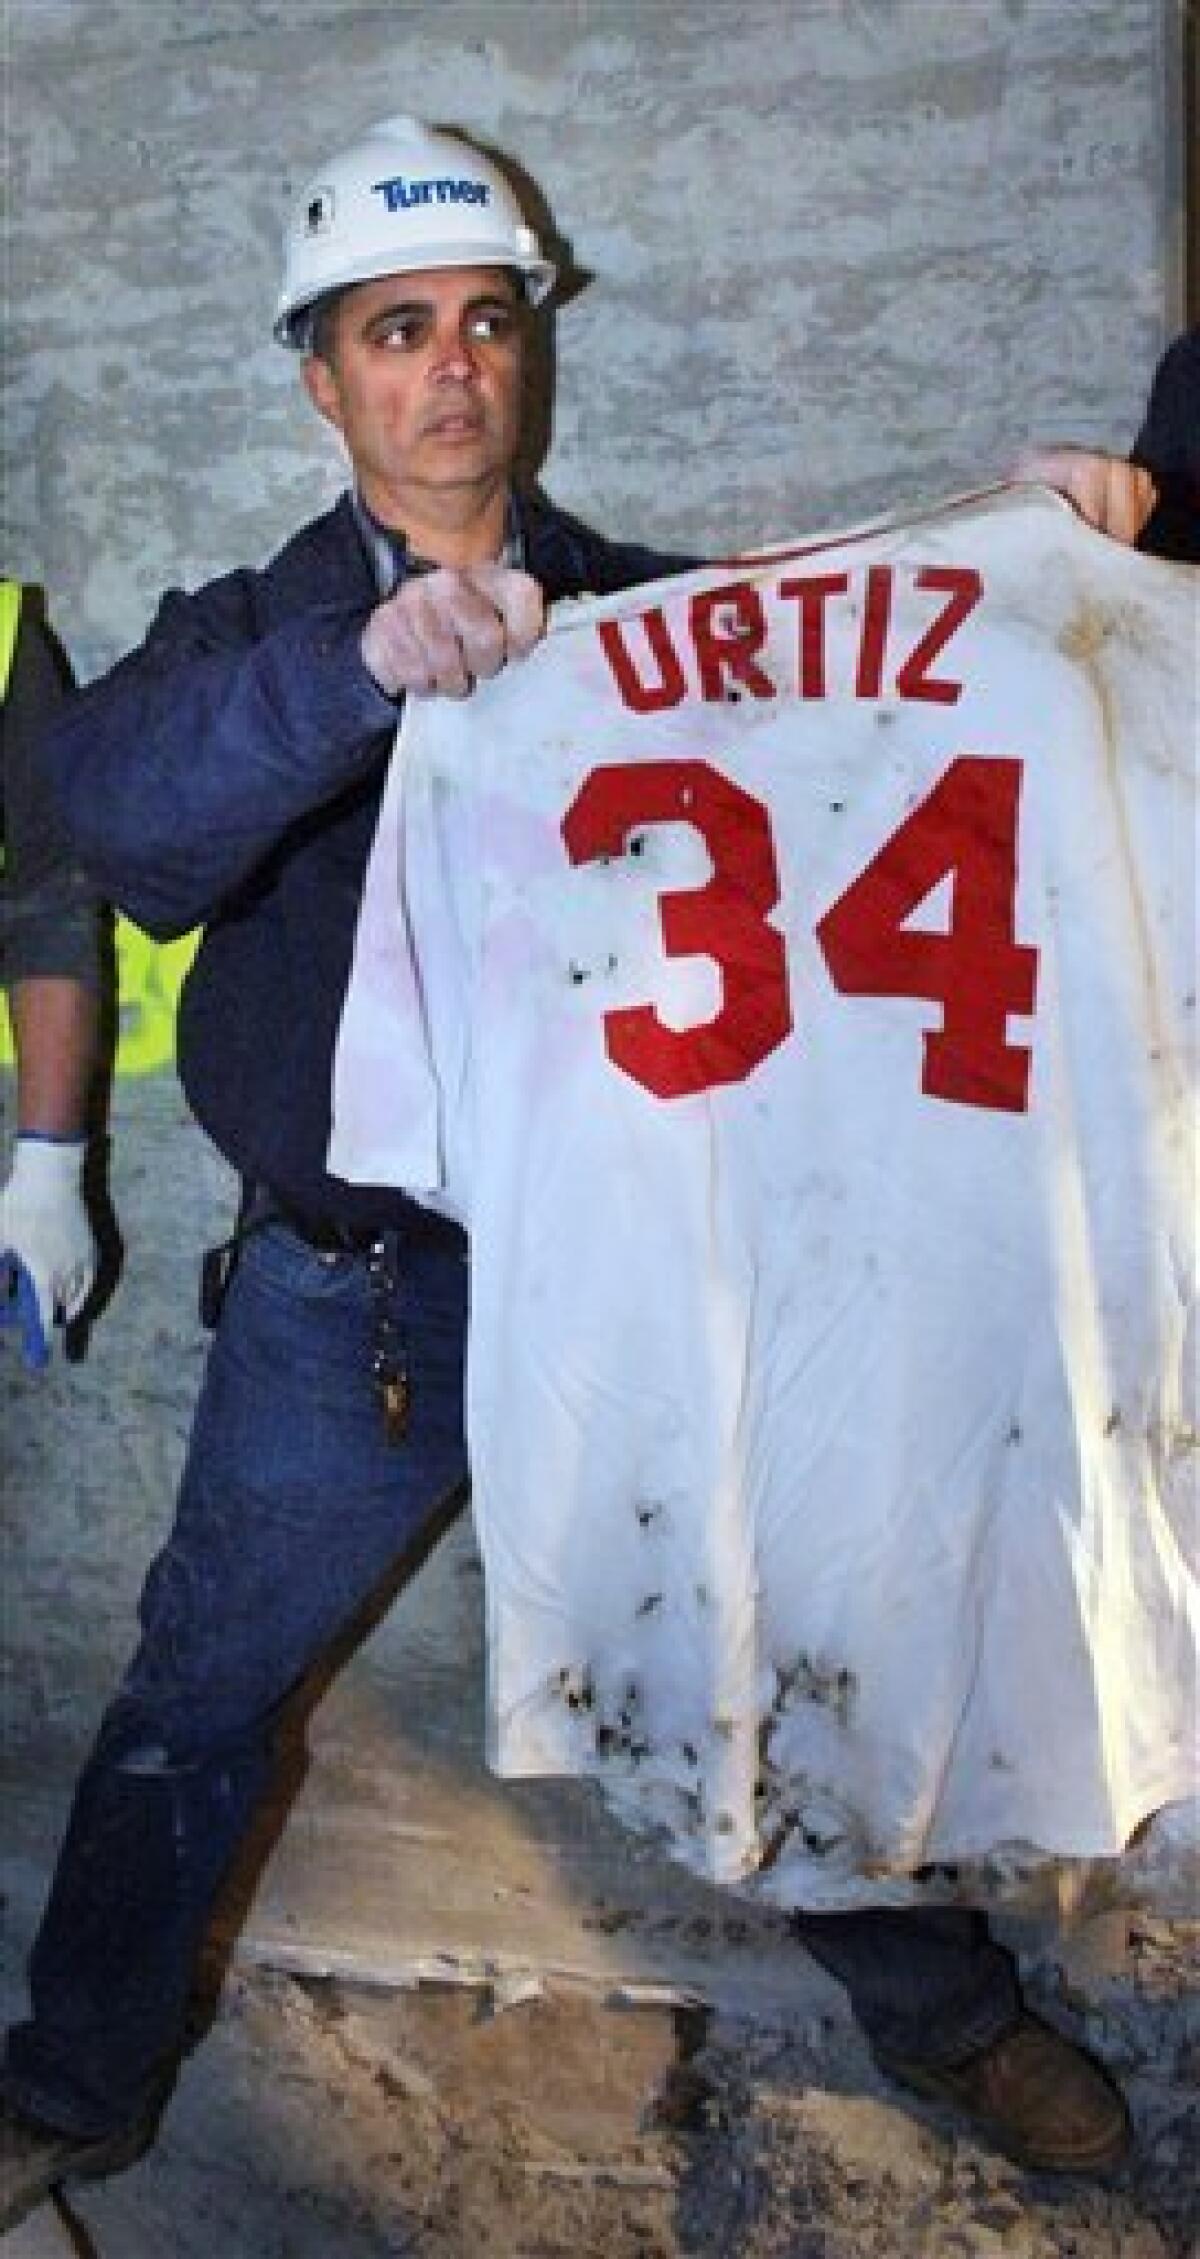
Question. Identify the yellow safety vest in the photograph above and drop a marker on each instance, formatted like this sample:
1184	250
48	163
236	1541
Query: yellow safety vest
10	619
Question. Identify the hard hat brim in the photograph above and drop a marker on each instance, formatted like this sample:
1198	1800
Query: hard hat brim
539	277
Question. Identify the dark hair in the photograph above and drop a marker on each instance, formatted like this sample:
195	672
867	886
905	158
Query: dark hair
320	321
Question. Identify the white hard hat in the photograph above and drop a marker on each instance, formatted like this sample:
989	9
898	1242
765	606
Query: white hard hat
403	199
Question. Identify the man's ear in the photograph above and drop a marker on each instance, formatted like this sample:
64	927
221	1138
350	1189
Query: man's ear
321	386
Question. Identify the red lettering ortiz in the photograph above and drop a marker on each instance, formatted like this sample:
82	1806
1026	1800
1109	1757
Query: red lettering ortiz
645	689
963	588
717	655
811	594
728	628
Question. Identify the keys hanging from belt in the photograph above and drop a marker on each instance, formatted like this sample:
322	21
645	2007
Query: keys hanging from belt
389	1359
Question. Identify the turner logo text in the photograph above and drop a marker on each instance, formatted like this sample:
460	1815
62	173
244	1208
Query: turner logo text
402	195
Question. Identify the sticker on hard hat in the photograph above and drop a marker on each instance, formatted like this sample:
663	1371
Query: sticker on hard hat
318	213
402	195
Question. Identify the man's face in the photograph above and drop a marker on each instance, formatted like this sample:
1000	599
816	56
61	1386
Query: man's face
423	380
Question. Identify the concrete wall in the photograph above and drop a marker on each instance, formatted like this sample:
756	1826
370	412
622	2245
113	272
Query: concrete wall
843	253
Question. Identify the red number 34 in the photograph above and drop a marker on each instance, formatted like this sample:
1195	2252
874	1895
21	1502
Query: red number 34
965	829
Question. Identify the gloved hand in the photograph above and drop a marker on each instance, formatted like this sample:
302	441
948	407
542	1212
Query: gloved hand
444	631
47	1253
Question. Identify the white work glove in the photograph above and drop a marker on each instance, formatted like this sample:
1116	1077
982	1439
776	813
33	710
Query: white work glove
47	1253
444	631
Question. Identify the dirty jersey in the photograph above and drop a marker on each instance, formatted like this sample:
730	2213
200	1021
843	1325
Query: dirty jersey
787	975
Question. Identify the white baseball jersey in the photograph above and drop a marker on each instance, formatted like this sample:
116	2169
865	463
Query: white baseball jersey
787	974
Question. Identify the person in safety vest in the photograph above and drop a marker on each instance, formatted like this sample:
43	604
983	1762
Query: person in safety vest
229	773
50	963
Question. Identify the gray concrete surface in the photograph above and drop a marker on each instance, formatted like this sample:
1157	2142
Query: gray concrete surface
444	2122
842	253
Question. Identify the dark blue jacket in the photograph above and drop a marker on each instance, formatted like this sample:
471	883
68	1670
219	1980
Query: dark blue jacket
228	773
1168	444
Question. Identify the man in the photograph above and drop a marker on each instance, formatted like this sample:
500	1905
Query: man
50	962
230	772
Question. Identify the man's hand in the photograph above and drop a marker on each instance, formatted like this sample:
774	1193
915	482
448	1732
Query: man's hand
445	631
47	1255
1113	496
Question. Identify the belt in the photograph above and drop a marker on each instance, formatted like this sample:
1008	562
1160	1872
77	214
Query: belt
418	1227
318	1232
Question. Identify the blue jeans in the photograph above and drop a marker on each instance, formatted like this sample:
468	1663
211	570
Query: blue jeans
293	1506
928	1982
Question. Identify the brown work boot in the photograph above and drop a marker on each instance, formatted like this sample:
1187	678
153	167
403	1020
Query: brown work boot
1040	2099
36	2158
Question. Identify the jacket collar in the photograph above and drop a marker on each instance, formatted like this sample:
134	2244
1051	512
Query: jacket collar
391	560
328	561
